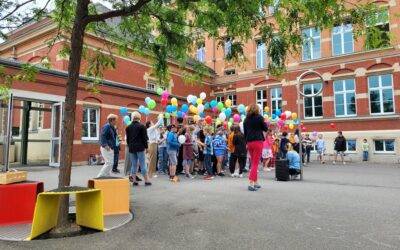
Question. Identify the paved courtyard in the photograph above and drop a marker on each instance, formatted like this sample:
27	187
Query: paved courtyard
335	207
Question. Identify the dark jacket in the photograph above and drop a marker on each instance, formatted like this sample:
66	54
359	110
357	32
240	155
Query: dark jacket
253	127
108	137
340	144
240	145
283	143
136	137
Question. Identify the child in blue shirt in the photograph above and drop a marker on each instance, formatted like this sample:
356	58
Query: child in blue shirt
220	147
208	152
321	147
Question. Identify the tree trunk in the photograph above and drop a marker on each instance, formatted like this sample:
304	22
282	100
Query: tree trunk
68	122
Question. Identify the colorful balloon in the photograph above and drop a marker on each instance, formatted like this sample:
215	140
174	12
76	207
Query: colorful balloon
199	101
151	104
127	120
208	120
200	108
220	106
165	94
333	125
159	91
222	116
294	116
142	109
185	108
241	108
236	118
123	110
228	103
147	99
167	115
288	114
283	116
196	118
266	109
203	95
174	101
164	102
291	125
228	112
213	103
182	139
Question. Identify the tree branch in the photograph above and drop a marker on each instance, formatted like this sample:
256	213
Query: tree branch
15	9
126	11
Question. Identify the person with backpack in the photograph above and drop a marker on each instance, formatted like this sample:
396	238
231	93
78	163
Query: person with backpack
172	150
239	153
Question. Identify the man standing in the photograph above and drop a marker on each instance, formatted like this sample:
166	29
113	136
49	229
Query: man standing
108	144
153	134
136	137
116	152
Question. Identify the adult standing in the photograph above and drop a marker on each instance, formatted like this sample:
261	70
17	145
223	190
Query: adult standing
153	134
136	137
116	152
254	128
108	144
340	147
307	144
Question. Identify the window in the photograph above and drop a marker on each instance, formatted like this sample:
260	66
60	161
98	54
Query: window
311	44
312	105
232	97
220	98
261	98
381	94
227	47
378	30
229	72
345	97
90	123
351	145
36	117
201	53
384	146
261	55
342	39
151	85
276	99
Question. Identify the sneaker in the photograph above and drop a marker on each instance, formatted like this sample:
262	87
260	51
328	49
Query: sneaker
221	174
257	186
240	176
189	176
116	171
236	175
147	184
138	179
135	183
208	178
334	162
233	175
251	188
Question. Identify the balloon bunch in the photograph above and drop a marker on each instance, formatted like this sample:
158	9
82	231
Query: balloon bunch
123	111
283	120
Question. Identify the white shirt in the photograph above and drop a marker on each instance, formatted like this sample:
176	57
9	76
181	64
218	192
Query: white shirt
153	133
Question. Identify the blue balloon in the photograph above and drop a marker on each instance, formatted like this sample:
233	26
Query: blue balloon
207	105
213	103
241	108
123	110
185	108
169	109
127	120
179	114
278	112
142	109
202	115
228	112
273	116
146	111
174	108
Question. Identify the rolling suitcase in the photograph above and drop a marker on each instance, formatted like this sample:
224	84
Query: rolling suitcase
282	170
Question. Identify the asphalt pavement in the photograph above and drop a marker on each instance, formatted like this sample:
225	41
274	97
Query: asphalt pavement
356	206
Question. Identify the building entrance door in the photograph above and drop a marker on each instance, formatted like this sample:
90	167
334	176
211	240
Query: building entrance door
56	128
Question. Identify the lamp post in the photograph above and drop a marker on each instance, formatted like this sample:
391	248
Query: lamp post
300	94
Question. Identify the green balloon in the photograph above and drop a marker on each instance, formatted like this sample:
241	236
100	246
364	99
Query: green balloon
167	115
231	120
159	91
151	104
220	106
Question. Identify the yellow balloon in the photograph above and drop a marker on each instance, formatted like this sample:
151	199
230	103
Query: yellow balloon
174	101
193	109
196	118
266	117
291	126
266	109
199	101
294	116
228	103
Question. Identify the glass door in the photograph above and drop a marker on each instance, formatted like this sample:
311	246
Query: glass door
6	111
56	126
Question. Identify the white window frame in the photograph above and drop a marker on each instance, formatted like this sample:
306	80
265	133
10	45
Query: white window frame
150	85
220	98
263	98
89	137
275	97
201	53
344	92
342	32
233	98
384	146
261	50
312	44
313	102
380	88
227	47
347	146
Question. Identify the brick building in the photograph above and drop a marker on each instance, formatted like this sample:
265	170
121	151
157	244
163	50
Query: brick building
361	87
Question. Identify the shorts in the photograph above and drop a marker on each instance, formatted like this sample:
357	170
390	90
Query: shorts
340	152
266	153
320	152
219	153
187	162
173	158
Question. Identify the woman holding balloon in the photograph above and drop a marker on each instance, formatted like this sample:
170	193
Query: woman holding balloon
254	128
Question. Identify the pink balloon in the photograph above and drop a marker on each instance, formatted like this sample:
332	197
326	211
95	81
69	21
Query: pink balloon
236	118
215	109
165	94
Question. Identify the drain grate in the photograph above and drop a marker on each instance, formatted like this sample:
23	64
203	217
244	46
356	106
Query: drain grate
117	220
18	232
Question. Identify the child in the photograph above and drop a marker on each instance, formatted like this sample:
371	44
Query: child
365	149
219	144
267	151
282	147
275	152
321	147
188	153
162	152
208	152
239	154
172	149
